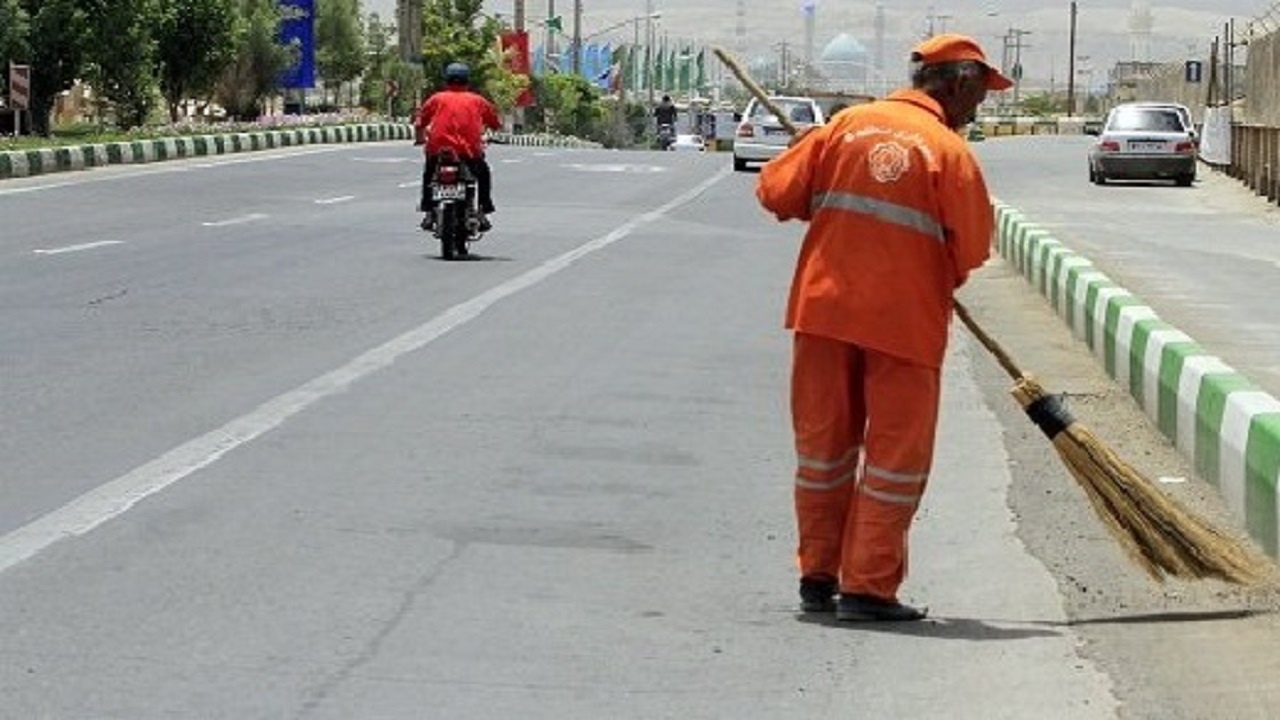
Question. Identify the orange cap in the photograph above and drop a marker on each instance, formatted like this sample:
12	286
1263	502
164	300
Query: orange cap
950	47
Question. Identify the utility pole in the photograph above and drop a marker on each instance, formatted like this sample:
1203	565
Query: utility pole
648	50
519	13
551	34
1016	35
577	37
1071	65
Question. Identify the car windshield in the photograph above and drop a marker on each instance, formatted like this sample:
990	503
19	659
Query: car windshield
796	111
1146	120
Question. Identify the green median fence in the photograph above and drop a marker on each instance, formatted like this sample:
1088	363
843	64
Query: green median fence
1218	418
27	163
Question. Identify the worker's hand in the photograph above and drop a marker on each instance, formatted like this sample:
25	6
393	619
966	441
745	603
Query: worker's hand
801	135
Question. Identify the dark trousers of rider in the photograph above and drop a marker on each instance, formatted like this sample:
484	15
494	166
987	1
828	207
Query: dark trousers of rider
479	167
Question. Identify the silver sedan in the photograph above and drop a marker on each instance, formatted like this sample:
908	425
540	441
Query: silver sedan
1144	142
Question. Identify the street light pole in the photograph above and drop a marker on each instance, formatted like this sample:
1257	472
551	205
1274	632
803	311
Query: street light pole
577	37
1071	63
648	50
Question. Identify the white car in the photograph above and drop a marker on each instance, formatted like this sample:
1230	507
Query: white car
688	143
1144	142
761	135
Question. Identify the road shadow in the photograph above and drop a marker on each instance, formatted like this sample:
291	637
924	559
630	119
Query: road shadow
942	628
472	257
1155	618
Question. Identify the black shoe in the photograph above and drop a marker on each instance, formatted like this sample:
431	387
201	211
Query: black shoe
428	222
868	608
817	595
484	225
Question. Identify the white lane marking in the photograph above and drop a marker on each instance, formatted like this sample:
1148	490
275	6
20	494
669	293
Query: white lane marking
236	220
335	200
415	183
127	171
77	248
116	497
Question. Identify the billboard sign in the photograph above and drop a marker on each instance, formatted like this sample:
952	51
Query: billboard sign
297	29
20	86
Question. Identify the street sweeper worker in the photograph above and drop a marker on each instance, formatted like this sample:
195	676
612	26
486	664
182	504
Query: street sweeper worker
898	215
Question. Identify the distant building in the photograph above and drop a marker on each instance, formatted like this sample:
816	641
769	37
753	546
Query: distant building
847	65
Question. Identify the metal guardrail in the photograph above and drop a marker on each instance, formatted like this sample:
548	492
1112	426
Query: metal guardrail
1255	159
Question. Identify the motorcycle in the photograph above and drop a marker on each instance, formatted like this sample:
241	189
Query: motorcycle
666	136
455	210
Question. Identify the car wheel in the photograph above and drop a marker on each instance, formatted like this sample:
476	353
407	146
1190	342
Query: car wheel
1186	180
739	164
1099	178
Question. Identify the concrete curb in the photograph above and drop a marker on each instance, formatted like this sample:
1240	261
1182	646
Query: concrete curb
28	163
541	140
1225	424
48	160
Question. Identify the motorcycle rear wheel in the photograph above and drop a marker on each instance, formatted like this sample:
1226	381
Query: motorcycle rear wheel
447	228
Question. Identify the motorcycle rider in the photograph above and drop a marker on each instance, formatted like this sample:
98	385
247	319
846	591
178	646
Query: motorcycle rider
455	119
664	115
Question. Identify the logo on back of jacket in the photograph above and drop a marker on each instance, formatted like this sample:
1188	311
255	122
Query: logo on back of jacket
890	158
889	161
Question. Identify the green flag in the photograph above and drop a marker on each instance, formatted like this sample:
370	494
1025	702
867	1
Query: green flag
555	23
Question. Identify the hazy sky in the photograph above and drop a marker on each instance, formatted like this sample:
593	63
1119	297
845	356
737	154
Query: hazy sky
1181	28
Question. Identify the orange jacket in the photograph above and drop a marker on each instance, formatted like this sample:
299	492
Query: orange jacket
455	119
899	215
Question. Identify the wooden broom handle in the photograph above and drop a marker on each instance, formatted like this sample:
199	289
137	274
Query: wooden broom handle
1002	357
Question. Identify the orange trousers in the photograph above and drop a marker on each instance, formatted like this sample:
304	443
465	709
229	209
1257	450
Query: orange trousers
864	427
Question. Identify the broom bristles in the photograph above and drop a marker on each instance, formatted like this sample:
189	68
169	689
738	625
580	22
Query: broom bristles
1157	532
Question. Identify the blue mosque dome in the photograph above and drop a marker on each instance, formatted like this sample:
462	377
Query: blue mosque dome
844	48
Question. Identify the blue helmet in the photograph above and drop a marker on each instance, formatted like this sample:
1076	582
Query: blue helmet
457	72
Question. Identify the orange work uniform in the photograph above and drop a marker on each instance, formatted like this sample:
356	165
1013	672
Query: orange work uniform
899	215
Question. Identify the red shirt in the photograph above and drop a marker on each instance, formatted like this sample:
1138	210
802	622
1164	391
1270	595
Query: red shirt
455	118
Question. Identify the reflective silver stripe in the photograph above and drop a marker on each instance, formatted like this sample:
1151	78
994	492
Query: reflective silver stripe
841	479
883	210
896	477
809	463
893	498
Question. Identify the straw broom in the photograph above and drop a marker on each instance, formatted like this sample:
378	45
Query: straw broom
1160	535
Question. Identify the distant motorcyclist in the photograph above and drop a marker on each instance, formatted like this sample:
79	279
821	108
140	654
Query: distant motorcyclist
664	116
455	119
665	113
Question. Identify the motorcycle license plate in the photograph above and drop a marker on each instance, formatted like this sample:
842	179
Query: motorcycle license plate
448	192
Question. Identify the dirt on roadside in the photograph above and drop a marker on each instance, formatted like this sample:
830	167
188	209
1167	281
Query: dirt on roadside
1175	649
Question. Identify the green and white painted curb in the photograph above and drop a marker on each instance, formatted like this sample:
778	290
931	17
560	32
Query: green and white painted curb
541	140
27	163
1223	422
39	162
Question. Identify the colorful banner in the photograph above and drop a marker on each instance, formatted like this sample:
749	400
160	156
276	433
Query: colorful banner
515	48
297	28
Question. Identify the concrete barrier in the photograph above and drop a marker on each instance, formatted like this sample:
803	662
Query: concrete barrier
27	163
1227	426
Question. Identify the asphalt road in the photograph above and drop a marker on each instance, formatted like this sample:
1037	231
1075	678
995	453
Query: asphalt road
267	456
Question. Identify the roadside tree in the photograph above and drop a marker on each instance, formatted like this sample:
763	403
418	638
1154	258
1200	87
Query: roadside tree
195	44
340	45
